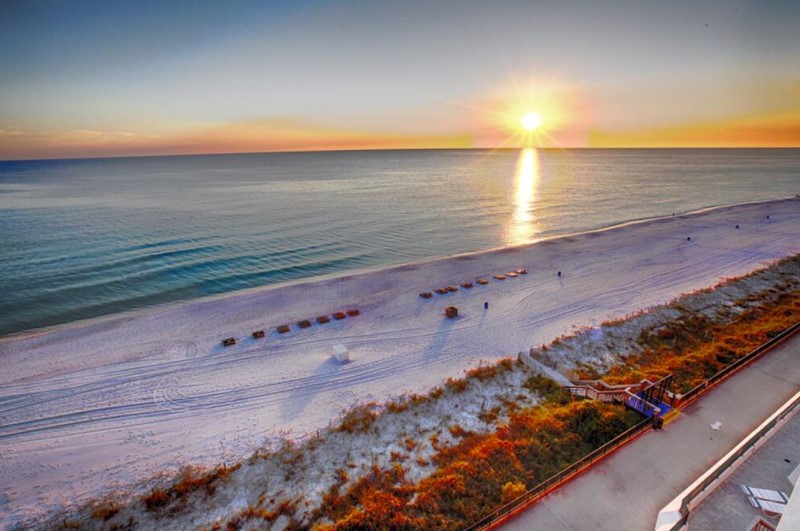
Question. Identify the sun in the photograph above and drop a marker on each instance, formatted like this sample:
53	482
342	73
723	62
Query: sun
533	113
531	121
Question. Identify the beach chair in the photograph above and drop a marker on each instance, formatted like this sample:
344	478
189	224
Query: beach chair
765	494
769	508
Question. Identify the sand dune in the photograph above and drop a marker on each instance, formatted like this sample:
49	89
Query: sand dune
91	407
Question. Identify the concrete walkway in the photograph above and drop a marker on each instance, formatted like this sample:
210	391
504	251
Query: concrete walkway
767	468
626	491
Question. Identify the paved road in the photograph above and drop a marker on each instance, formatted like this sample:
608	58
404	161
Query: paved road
626	491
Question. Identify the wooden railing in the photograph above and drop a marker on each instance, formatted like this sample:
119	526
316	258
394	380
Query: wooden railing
583	391
600	390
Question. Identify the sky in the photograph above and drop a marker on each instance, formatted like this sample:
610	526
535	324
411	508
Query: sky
85	78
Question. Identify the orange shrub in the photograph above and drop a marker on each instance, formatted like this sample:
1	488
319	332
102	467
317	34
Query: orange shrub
457	386
481	472
359	419
512	491
156	499
699	347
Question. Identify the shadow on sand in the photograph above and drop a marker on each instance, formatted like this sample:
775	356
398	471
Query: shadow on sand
440	338
298	399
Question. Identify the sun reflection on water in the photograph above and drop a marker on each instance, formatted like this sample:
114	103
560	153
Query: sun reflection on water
522	226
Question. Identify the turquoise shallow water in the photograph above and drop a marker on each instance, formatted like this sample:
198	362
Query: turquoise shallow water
86	238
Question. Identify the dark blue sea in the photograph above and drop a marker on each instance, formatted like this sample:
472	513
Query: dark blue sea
93	237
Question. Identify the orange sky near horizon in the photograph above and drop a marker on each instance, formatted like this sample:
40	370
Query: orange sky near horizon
272	135
775	130
153	78
780	130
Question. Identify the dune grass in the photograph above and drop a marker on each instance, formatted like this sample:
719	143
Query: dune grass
694	347
483	471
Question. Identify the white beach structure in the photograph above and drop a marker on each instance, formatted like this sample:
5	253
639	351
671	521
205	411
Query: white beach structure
341	353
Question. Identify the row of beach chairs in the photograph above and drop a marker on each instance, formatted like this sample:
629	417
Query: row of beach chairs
322	319
470	285
305	323
771	502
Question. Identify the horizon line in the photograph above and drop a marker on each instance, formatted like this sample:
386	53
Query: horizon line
350	150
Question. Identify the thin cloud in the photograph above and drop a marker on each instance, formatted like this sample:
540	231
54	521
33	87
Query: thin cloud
262	135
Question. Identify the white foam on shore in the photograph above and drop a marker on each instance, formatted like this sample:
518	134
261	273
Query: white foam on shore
109	403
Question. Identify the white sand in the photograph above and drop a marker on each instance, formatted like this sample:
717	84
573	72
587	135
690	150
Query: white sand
88	408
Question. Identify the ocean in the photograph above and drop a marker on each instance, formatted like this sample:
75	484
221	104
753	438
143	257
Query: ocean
93	237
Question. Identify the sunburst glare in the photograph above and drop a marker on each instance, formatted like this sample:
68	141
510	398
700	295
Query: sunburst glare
532	112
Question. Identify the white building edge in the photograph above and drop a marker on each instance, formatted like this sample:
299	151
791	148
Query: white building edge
670	516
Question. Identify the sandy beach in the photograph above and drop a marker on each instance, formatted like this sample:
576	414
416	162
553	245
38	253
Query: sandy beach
93	407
